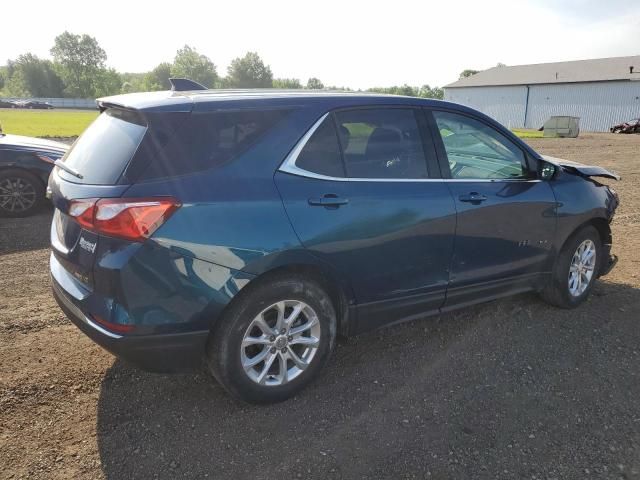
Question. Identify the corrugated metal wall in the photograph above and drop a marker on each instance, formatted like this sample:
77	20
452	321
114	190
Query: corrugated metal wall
598	104
505	104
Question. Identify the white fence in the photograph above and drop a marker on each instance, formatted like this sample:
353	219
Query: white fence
83	103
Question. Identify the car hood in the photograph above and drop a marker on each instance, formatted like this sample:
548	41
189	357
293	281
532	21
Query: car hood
31	143
581	169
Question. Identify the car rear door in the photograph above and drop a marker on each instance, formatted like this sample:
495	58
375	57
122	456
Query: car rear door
506	216
360	195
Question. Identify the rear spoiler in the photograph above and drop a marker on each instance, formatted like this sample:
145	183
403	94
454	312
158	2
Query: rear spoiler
167	101
163	101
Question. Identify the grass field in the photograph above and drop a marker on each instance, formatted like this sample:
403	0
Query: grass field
71	123
45	123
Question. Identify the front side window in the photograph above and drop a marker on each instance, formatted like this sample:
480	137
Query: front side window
381	143
477	151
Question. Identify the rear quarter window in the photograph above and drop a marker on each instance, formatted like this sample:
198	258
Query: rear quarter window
207	140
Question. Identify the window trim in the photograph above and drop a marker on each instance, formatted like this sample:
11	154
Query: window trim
443	158
289	163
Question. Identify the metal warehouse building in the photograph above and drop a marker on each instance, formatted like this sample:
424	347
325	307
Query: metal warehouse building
602	92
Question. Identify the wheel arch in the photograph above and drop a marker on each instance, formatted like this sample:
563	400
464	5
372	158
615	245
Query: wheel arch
599	223
339	293
603	228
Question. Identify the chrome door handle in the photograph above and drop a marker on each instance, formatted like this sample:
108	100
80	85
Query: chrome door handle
473	197
328	200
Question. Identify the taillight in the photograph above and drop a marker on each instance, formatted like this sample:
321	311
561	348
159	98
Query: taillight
133	219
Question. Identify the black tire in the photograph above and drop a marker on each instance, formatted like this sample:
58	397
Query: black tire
224	346
557	292
32	184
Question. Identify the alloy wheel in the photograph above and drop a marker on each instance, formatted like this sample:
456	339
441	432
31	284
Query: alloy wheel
583	264
16	194
280	343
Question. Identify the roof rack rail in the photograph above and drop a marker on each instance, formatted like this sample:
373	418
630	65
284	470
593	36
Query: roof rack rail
184	85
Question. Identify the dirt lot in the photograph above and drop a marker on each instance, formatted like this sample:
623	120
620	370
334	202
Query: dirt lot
512	389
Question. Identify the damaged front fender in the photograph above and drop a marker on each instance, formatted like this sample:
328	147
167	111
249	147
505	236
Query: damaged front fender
581	169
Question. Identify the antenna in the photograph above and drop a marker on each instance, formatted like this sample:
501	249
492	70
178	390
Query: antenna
185	85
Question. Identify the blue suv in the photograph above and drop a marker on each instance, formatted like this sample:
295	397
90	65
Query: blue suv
245	230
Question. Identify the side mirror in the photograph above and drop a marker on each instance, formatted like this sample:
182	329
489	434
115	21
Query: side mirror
546	170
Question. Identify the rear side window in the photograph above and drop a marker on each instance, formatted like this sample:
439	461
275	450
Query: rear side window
381	143
103	151
207	140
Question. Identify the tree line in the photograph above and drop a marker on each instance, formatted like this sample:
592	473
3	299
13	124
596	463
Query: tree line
78	70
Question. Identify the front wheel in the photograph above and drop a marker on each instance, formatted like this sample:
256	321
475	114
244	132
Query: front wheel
275	340
575	269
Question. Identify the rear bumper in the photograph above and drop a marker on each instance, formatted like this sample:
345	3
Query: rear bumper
177	352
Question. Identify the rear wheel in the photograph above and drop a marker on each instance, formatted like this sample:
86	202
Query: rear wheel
575	270
275	340
21	193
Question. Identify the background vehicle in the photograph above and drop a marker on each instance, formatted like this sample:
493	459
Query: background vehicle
7	104
34	104
25	165
250	228
632	126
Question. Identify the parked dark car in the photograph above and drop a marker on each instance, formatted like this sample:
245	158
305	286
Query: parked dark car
632	126
246	229
7	104
35	104
25	165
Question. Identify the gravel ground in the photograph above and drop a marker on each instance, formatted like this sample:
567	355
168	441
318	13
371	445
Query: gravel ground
510	389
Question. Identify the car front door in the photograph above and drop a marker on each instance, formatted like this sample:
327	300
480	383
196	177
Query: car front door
359	195
506	216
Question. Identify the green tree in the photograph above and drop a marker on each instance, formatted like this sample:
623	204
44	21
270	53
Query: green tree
158	78
107	82
426	91
314	84
188	63
405	90
290	83
79	60
467	73
34	77
16	85
3	77
132	82
249	72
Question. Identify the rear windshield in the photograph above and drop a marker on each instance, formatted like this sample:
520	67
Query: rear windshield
200	142
103	151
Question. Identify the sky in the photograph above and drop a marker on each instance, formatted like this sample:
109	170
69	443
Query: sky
344	43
